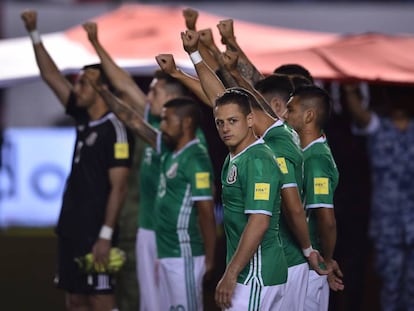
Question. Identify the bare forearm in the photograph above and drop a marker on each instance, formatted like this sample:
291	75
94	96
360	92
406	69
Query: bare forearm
327	233
295	216
193	84
249	243
120	79
210	83
245	66
51	74
208	230
119	187
129	117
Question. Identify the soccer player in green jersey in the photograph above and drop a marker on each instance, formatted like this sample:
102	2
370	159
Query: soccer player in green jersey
307	112
162	88
284	142
251	179
185	226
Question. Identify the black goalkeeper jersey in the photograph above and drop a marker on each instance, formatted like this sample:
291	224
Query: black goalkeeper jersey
100	145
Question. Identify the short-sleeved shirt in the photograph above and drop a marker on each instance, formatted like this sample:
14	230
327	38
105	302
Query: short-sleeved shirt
320	181
149	174
251	183
100	145
186	177
285	143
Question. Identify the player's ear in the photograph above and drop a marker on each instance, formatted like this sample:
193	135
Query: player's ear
250	119
309	116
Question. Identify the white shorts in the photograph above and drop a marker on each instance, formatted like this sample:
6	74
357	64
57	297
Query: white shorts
296	287
317	297
146	259
263	298
181	283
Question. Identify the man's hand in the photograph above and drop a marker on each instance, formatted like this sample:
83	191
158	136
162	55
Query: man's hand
190	17
225	290
100	252
92	30
190	40
29	18
229	59
226	30
335	276
315	259
206	37
166	63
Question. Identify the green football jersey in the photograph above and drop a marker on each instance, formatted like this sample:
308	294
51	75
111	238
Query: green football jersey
285	144
149	174
186	177
320	180
251	183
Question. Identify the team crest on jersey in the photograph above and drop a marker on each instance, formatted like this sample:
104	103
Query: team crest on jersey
172	171
232	175
90	140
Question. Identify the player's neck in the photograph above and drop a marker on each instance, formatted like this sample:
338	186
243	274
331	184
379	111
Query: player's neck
97	110
308	135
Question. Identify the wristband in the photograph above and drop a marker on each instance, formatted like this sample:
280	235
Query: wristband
196	57
35	36
106	232
307	251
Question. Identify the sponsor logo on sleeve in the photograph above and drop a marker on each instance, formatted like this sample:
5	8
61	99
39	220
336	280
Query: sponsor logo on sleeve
202	180
121	151
261	191
282	165
321	185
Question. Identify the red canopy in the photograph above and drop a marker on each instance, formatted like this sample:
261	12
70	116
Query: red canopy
142	31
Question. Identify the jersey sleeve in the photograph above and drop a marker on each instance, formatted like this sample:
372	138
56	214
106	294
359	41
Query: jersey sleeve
120	145
318	184
200	174
287	169
263	180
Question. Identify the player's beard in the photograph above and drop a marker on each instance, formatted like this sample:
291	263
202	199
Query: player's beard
169	141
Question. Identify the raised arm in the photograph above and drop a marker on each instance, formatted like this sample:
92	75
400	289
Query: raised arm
210	83
48	69
125	85
206	38
353	99
246	67
125	113
167	64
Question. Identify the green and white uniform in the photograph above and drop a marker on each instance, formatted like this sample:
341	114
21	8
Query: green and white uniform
146	250
320	181
251	183
186	177
285	143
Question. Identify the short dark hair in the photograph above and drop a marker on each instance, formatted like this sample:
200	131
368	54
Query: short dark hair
275	84
103	78
173	85
186	107
294	69
316	97
239	96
